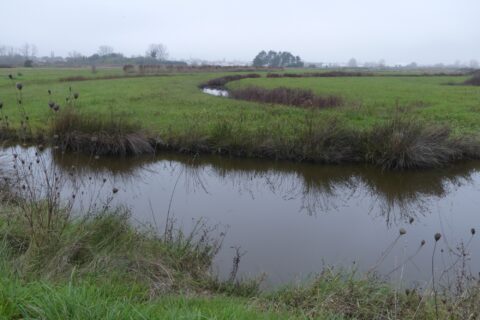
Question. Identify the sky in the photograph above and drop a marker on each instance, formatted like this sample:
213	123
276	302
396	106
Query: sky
424	31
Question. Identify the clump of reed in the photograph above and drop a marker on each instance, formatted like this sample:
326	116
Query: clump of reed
405	143
474	80
287	96
99	135
219	83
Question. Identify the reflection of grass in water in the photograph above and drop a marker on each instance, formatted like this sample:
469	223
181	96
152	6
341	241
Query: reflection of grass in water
320	188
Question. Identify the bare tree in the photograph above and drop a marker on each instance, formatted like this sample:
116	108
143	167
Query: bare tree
105	50
25	50
33	50
157	51
74	55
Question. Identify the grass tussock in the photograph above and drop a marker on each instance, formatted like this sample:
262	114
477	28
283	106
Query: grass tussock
343	295
287	96
99	135
403	143
105	246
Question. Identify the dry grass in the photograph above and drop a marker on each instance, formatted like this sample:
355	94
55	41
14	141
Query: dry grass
90	134
291	97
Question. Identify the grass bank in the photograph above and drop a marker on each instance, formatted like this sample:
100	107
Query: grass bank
141	114
60	262
102	267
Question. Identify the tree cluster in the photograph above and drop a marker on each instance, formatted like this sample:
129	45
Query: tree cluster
277	59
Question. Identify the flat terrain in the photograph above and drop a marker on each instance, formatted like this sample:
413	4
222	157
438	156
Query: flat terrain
173	103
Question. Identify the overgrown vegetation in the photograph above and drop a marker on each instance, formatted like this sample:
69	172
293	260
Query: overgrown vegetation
286	96
474	80
111	135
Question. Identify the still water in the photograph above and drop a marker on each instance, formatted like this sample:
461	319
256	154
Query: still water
294	219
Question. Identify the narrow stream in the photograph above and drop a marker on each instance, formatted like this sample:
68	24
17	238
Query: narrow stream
294	219
215	92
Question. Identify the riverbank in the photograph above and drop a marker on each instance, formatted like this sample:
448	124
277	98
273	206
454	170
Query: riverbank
103	268
386	121
58	262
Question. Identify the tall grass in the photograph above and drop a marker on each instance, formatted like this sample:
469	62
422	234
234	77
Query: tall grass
404	143
474	80
99	135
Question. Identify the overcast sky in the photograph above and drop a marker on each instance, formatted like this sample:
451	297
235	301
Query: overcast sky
399	31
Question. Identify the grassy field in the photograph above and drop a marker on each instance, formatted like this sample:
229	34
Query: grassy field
172	108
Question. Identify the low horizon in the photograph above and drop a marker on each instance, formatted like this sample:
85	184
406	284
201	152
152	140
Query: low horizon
427	33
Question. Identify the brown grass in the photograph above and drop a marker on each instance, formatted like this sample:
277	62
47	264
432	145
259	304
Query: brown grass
287	96
99	135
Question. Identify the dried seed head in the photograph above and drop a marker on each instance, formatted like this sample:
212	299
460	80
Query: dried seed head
56	108
437	236
19	86
114	190
472	231
1	104
10	77
49	92
51	104
75	95
411	220
402	231
422	243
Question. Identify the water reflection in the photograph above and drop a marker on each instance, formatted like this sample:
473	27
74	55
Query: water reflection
291	218
319	189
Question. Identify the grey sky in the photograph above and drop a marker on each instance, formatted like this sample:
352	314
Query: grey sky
400	31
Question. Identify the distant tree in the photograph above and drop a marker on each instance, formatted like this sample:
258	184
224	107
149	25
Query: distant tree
277	59
25	50
75	55
474	64
28	63
352	63
157	51
105	50
412	65
261	59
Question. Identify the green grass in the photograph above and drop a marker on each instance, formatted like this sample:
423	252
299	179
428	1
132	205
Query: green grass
88	300
370	99
172	104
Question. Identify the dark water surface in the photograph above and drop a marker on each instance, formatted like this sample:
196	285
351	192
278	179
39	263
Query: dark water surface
294	219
